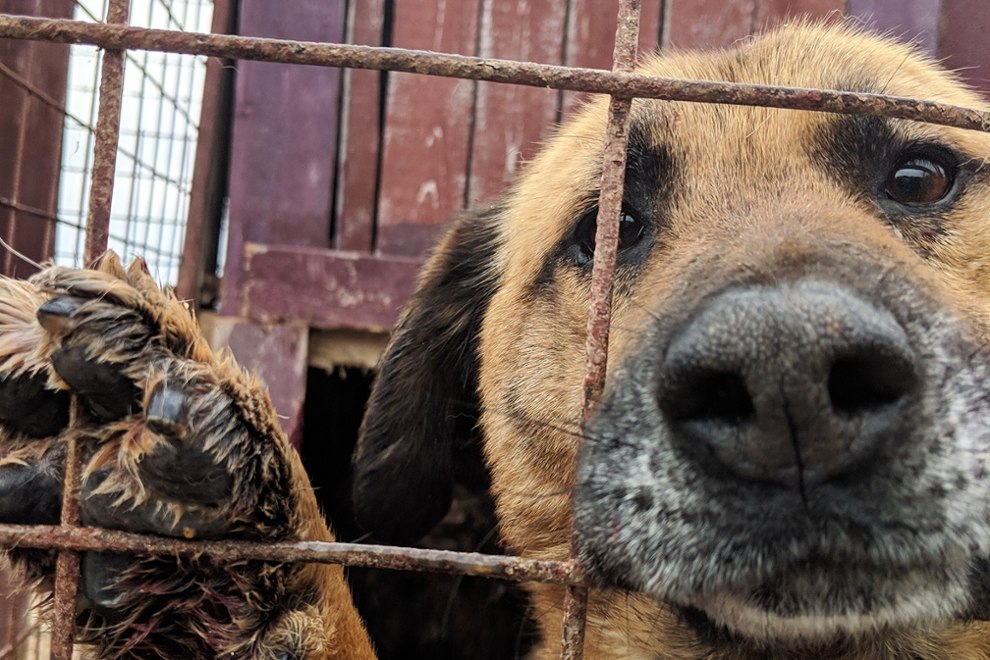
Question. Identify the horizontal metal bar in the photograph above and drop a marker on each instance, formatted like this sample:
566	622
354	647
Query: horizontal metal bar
84	539
619	84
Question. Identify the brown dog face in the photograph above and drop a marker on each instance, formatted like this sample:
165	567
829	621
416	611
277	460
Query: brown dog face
793	443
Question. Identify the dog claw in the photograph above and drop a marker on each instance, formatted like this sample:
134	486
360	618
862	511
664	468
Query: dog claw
107	393
174	442
98	581
165	411
56	315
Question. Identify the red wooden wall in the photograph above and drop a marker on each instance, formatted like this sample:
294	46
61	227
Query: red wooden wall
341	181
32	91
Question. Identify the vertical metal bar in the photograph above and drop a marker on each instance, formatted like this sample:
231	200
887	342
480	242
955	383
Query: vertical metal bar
107	136
97	232
199	252
603	270
67	564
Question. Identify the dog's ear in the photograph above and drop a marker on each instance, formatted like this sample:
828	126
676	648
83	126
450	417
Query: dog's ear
426	388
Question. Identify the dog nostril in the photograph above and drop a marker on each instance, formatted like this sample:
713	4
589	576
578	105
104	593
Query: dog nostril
718	396
864	383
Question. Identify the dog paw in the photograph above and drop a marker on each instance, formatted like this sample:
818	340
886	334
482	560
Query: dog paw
175	441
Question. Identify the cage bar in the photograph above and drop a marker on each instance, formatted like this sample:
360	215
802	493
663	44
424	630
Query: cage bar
602	278
107	137
595	81
97	232
84	539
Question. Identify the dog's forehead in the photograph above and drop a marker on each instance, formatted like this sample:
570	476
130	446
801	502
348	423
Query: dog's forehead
838	57
726	142
812	55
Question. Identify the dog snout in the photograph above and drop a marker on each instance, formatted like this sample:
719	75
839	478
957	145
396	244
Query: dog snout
792	384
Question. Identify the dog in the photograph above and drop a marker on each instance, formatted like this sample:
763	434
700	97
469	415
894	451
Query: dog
790	458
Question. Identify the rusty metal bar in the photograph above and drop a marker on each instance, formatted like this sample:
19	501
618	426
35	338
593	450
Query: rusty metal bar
81	539
67	563
107	137
602	277
615	83
97	231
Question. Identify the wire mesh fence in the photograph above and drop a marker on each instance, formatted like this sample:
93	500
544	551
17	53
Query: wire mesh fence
155	163
162	96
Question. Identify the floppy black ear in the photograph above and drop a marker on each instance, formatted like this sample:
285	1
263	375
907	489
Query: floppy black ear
426	387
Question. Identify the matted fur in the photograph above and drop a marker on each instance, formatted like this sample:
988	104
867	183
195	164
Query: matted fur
171	607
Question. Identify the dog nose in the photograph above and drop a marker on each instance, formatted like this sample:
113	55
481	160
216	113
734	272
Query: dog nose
792	384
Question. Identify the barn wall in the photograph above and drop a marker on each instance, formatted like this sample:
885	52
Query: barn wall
32	91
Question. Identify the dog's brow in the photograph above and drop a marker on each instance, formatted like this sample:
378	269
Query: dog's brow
651	170
855	147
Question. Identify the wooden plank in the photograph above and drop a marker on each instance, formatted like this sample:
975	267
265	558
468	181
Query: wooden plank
284	138
427	130
963	40
591	37
197	267
510	120
31	128
360	135
279	355
708	23
326	289
907	19
329	349
650	22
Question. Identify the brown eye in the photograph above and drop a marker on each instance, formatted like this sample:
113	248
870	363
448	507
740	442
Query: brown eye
918	180
631	230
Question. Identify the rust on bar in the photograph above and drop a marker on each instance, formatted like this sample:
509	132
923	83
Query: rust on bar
67	563
97	233
81	539
602	276
616	83
107	137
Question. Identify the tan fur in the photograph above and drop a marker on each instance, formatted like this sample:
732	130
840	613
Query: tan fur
535	350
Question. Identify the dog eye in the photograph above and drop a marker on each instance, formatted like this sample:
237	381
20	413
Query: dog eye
917	180
582	251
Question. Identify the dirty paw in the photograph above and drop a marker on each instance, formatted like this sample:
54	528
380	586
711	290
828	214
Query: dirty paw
175	441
